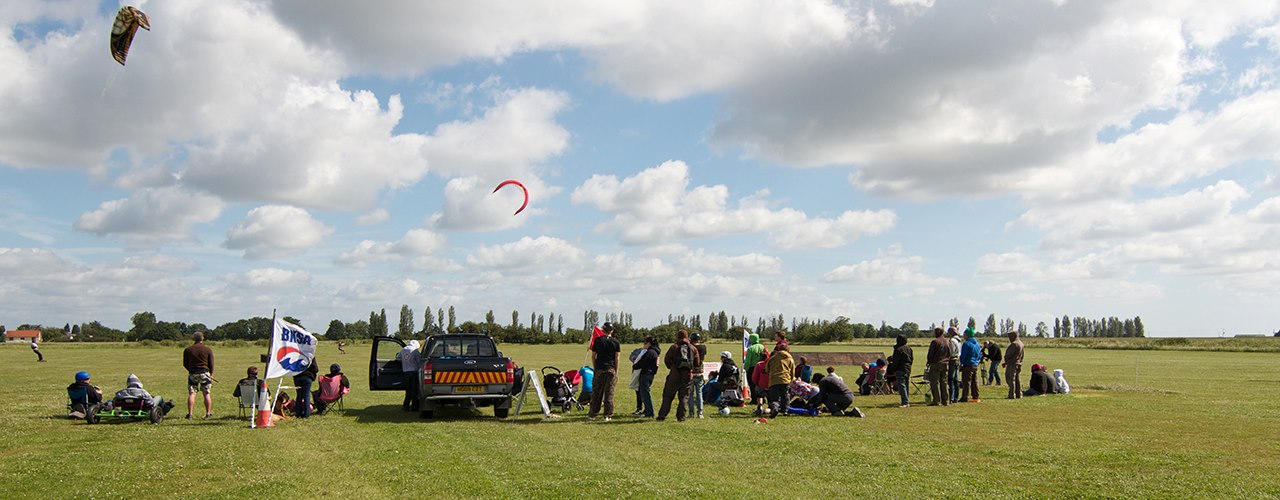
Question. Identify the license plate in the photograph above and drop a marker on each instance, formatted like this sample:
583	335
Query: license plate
468	388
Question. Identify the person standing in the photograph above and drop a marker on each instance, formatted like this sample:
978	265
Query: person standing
993	355
780	339
605	353
198	360
781	368
410	357
645	367
680	360
937	367
1013	365
755	354
953	364
900	367
699	378
36	347
303	382
970	357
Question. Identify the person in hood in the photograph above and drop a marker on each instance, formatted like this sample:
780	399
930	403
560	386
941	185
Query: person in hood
645	368
900	366
970	357
1013	365
939	351
781	368
133	389
1063	386
410	358
680	360
756	353
1041	382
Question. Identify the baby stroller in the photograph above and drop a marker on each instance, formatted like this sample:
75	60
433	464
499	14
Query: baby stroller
561	386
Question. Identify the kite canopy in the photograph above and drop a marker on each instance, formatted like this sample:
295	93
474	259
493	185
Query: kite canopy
522	189
128	20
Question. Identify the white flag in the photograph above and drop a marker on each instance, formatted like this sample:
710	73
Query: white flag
292	349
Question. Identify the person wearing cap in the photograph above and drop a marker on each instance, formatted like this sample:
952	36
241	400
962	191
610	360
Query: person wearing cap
970	357
1041	382
729	378
953	364
605	354
699	378
644	367
198	360
93	395
1013	365
335	375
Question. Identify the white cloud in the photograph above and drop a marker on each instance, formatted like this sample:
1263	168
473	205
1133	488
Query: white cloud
415	244
268	278
655	206
276	230
376	216
752	263
527	255
891	268
152	216
162	263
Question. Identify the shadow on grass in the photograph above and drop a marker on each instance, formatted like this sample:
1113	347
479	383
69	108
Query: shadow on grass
394	414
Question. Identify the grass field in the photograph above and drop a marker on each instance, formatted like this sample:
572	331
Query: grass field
1141	423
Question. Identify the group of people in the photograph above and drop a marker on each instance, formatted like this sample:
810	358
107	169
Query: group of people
775	379
948	355
197	359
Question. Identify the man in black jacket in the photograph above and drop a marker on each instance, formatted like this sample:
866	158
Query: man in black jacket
993	355
900	366
645	367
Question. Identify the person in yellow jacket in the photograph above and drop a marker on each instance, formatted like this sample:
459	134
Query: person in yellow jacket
781	368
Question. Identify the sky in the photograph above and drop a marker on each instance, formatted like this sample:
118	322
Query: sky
901	160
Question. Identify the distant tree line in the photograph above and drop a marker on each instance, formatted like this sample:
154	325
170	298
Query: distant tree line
549	328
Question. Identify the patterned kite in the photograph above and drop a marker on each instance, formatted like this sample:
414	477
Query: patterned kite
128	20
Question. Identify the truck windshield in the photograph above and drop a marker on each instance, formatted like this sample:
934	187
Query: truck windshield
466	346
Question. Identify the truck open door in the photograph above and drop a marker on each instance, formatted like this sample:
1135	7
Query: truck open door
385	373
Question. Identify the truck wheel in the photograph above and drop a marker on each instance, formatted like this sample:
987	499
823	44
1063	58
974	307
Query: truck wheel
426	414
501	412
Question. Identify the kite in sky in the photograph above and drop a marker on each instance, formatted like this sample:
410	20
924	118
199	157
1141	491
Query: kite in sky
128	20
522	188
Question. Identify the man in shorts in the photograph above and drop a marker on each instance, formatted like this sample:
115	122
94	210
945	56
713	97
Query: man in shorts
198	360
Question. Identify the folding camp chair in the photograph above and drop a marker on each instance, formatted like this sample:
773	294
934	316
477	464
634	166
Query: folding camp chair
248	395
919	385
331	392
880	382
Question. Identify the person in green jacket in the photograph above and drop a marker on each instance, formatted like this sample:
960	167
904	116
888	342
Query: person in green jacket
755	354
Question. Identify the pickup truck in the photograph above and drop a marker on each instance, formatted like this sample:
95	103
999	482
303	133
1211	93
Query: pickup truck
463	369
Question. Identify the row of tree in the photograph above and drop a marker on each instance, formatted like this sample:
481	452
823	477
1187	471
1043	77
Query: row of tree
550	329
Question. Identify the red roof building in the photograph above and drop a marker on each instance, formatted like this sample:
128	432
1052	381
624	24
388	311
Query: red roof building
22	336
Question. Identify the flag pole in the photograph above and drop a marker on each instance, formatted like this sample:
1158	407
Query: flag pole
270	349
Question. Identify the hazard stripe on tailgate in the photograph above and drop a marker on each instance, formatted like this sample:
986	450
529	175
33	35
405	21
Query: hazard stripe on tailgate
470	377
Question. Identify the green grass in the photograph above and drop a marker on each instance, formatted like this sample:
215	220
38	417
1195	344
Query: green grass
1142	423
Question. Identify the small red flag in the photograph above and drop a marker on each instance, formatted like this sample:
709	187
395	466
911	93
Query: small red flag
596	333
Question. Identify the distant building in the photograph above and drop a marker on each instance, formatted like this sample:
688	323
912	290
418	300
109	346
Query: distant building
22	336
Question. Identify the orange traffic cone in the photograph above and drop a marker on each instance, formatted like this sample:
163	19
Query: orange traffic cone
263	418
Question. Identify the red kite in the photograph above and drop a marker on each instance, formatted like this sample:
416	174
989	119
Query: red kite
522	188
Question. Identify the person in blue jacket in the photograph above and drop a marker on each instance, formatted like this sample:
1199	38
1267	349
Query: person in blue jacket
970	357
